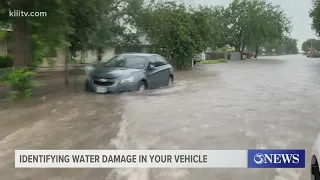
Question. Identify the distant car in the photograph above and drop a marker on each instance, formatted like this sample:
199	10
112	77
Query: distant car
308	53
195	60
130	72
199	57
314	163
251	54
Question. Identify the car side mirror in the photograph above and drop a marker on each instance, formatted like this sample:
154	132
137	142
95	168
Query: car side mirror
151	66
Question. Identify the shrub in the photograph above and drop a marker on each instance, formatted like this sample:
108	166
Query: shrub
6	61
4	75
21	83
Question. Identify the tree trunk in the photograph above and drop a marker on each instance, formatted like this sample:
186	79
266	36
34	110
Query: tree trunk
99	52
256	53
238	48
21	47
242	53
66	70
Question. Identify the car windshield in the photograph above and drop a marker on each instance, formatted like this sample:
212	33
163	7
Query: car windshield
135	62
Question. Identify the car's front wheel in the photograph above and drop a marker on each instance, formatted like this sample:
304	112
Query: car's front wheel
170	80
315	174
142	86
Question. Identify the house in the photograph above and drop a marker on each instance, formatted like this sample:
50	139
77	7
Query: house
6	49
91	56
57	58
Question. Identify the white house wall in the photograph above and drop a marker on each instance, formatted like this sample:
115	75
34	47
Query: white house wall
89	57
60	59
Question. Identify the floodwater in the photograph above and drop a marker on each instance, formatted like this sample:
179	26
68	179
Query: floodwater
266	103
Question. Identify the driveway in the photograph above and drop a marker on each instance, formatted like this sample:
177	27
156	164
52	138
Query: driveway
271	102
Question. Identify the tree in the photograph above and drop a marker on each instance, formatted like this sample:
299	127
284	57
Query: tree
211	31
290	46
27	30
84	20
114	25
254	22
311	43
234	23
66	21
285	46
314	13
180	32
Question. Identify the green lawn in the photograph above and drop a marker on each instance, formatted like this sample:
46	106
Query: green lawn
217	61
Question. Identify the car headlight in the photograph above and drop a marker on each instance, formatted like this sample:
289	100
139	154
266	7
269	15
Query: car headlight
127	80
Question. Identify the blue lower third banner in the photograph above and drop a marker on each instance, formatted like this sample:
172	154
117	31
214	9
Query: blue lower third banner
276	158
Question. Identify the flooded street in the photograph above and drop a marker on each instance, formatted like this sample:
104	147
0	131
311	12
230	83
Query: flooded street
265	103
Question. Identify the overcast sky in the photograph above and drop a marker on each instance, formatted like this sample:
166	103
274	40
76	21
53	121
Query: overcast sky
298	10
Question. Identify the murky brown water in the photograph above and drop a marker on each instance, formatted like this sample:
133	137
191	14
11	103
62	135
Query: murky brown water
265	103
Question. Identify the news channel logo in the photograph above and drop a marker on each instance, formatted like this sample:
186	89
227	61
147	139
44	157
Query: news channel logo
276	158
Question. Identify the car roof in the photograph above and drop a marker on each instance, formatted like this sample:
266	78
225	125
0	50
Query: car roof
137	54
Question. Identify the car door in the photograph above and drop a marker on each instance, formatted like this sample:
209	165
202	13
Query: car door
153	75
164	70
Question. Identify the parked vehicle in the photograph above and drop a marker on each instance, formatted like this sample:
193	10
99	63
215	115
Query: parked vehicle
130	72
308	53
199	57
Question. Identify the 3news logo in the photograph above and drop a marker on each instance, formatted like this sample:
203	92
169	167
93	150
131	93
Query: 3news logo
276	158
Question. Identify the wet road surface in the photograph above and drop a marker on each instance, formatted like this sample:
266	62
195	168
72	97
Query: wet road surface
265	103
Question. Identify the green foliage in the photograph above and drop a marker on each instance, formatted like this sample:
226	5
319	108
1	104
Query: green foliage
290	46
253	22
285	46
21	82
85	18
6	61
208	21
2	34
112	28
314	13
314	43
179	32
43	32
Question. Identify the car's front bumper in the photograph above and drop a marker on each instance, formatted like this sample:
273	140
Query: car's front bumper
90	86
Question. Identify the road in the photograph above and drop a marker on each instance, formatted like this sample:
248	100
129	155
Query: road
266	103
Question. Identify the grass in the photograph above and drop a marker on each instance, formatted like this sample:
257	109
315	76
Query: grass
217	61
